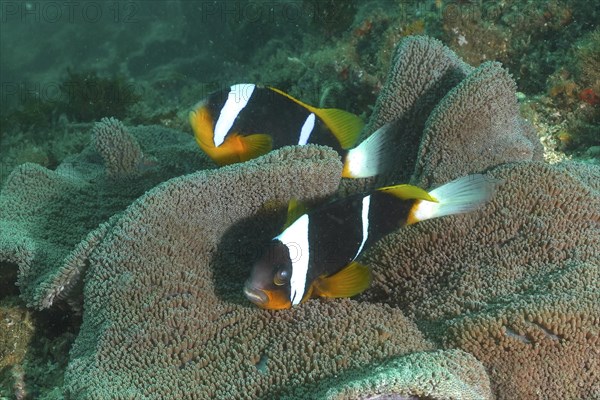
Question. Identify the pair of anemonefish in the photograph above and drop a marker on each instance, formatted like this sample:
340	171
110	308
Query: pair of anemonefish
316	255
246	121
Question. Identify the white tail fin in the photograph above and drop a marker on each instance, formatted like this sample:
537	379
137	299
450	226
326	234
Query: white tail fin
371	156
459	196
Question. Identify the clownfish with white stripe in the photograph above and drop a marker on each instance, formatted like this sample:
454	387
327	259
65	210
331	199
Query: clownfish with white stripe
316	255
246	121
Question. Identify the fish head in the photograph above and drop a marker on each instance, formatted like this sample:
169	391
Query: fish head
269	284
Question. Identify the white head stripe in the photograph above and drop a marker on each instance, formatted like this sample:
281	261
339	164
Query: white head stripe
238	97
365	223
307	129
295	237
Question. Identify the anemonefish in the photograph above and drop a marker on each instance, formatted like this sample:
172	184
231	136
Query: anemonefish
316	254
246	121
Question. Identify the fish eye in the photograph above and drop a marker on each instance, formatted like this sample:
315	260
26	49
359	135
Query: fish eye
282	276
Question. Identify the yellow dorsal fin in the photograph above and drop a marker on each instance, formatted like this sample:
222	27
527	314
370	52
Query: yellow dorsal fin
345	126
350	281
255	145
408	192
281	92
295	210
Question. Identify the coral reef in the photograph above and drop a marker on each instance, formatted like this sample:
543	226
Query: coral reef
587	57
121	151
499	303
80	96
441	374
570	108
531	38
447	113
152	68
34	349
51	220
331	16
578	97
515	284
164	294
422	72
475	126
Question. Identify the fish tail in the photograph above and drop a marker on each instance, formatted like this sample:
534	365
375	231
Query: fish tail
459	196
372	156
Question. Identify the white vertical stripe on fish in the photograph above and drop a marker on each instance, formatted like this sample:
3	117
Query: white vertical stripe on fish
238	97
365	223
295	237
307	129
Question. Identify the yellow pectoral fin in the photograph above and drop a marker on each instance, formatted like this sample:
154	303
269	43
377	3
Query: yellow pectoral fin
228	152
345	126
237	148
408	192
350	281
202	124
255	145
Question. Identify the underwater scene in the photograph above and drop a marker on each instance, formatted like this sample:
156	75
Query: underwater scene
300	199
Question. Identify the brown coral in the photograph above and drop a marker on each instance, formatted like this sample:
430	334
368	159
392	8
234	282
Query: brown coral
451	119
120	150
442	374
423	71
515	284
163	294
544	343
475	126
51	220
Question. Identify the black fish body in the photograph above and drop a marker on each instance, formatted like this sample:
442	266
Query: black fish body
316	255
246	121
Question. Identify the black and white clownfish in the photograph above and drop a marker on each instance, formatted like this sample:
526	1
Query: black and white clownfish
316	254
246	121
